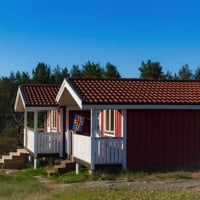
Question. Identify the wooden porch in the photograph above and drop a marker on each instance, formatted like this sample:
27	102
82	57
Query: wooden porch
94	151
41	142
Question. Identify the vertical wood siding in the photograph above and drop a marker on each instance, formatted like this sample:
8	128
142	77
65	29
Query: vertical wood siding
163	138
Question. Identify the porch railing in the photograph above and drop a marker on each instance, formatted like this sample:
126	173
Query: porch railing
107	150
96	150
43	142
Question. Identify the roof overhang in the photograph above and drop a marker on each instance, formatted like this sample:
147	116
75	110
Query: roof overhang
20	105
67	96
142	106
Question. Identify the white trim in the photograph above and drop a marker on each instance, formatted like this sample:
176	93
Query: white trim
92	132
32	109
74	95
61	131
35	131
67	118
19	95
110	133
54	120
138	106
25	129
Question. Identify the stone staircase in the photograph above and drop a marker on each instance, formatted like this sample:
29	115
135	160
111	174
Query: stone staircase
15	160
63	167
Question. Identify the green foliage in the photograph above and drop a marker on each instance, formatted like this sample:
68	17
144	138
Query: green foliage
92	70
111	71
151	70
59	74
42	74
22	78
75	72
185	73
197	74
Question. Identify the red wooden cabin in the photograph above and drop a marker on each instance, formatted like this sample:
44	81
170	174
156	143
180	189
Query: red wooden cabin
133	122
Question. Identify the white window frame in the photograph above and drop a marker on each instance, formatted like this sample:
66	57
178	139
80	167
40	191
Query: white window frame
109	132
54	119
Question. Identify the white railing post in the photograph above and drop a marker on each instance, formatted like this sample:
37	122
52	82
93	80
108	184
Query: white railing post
25	128
92	119
35	138
61	132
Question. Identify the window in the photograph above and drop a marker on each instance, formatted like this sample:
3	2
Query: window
109	122
53	117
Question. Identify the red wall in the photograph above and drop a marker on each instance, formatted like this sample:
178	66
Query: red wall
163	138
118	123
86	126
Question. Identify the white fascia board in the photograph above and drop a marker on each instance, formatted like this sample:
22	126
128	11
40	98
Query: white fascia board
19	95
139	107
62	87
35	108
74	95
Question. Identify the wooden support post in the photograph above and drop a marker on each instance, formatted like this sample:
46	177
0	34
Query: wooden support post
35	162
92	138
35	138
77	168
25	128
61	132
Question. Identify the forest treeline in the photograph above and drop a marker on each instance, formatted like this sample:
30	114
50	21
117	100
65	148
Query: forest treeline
11	123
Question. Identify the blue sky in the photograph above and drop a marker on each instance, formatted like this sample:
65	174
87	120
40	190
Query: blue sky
123	32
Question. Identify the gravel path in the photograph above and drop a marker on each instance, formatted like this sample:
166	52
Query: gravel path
189	185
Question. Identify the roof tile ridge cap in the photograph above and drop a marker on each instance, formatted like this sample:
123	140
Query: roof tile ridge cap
97	78
69	81
166	80
41	85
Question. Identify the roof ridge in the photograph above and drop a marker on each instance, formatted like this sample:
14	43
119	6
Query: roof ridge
41	85
135	79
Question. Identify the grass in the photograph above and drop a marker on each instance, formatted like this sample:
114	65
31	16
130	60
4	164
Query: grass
101	175
123	194
23	185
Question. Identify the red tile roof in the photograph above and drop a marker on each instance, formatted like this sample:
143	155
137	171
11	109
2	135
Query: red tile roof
136	91
40	95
